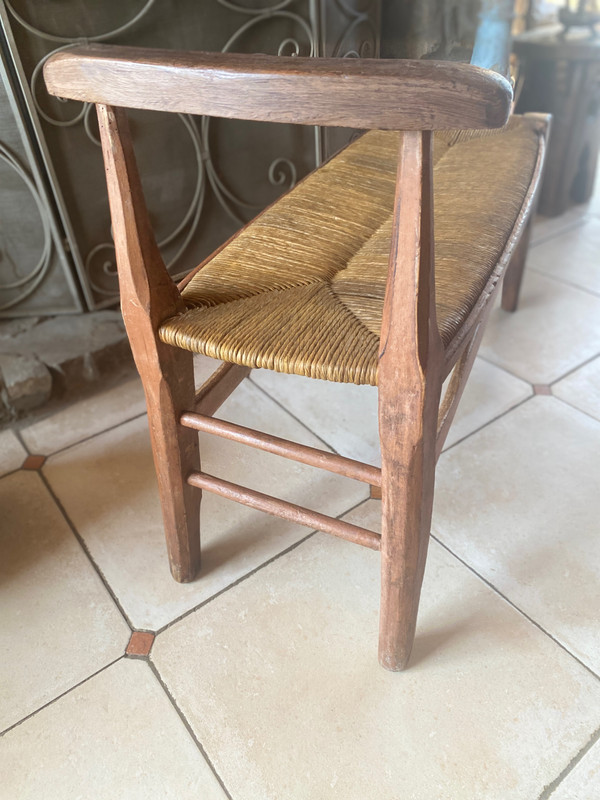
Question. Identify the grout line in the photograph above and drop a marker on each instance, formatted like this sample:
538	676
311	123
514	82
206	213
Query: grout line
503	368
576	408
86	550
235	583
551	383
549	790
252	572
60	696
574	369
17	433
14	472
91	436
188	727
564	281
513	605
580	222
293	416
485	424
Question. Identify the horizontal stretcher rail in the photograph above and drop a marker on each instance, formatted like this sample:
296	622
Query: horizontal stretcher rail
282	447
289	511
213	393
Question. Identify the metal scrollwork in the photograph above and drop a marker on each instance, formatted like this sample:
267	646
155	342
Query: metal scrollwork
303	39
99	37
232	204
358	18
277	174
26	285
189	221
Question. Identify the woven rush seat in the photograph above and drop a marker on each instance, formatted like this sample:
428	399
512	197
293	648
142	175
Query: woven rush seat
301	289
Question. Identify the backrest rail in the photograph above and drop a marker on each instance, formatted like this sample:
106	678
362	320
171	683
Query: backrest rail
359	93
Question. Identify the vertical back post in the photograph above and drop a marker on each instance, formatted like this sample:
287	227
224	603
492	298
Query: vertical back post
409	379
148	297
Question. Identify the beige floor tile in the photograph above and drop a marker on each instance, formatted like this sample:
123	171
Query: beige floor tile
583	783
279	678
519	502
98	413
108	488
582	388
342	414
550	227
490	392
345	416
59	624
554	330
12	452
116	736
573	257
85	418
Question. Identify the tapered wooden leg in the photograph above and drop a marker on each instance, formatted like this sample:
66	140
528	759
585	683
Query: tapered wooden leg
407	471
169	392
513	276
149	296
409	381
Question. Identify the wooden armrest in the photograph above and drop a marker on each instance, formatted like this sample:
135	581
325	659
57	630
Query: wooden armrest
356	93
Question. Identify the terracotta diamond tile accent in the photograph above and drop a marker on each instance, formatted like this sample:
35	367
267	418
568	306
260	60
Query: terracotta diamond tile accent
33	462
541	388
140	644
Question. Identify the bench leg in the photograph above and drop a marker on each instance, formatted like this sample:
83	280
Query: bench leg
169	388
408	469
513	276
149	296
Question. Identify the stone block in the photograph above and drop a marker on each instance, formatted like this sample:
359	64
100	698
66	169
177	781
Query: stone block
58	359
25	382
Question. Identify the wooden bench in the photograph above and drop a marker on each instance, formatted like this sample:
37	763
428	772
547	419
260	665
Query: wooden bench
381	267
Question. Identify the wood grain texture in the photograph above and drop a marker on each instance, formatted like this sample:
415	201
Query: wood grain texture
357	93
213	393
285	510
410	367
148	296
375	493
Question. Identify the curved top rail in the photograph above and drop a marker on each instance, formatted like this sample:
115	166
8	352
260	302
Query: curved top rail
357	93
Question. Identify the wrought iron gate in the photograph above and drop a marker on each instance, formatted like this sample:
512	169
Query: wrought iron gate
203	178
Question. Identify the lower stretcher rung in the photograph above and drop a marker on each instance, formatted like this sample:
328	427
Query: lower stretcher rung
289	511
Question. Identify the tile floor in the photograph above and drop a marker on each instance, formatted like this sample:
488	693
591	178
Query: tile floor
260	680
